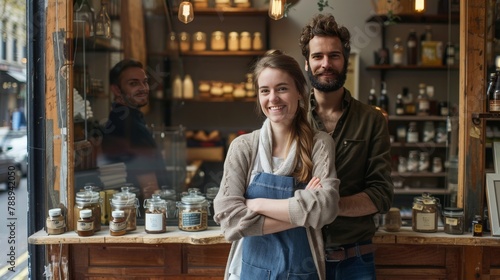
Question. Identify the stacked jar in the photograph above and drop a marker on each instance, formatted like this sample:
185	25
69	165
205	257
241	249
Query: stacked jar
127	202
88	199
425	213
156	218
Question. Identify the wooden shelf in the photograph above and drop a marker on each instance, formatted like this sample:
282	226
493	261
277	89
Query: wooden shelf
416	18
418	145
420	191
411	67
416	118
229	11
418	174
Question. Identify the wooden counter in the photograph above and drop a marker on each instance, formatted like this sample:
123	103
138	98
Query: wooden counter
178	254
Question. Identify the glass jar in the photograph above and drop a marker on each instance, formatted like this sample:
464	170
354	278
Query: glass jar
477	226
429	132
437	165
169	195
392	220
424	162
413	161
184	42
193	212
88	199
85	223
257	44
425	213
55	223
233	43
218	42
156	217
211	194
173	44
245	41
412	135
118	223
127	202
199	41
453	220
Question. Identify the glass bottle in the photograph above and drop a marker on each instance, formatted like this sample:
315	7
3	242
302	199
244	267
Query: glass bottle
187	87
413	161
83	19
400	107
412	134
410	108
491	89
427	35
103	22
118	223
443	108
477	226
429	133
156	217
85	223
449	55
412	48
397	52
422	101
372	98
423	163
383	101
257	44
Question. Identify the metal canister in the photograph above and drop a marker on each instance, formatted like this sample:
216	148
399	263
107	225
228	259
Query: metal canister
156	218
193	212
425	212
128	202
88	199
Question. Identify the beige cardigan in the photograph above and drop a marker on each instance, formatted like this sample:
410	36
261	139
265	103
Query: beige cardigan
310	209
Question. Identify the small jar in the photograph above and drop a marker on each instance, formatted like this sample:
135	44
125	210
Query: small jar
423	163
156	218
412	134
85	224
392	220
173	44
437	165
477	226
425	213
88	199
118	223
199	41
429	133
127	202
245	41
413	161
55	222
184	42
218	42
257	44
193	212
402	164
169	195
453	220
233	43
401	133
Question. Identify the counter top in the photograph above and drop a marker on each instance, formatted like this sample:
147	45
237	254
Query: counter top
213	235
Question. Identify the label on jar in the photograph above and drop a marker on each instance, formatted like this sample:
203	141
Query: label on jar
190	219
451	221
85	226
412	137
55	224
154	222
117	226
418	206
425	221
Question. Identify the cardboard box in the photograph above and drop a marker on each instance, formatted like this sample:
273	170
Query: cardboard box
432	53
205	153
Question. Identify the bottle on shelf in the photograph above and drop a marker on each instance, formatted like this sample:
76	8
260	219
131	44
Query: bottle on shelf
383	101
491	89
433	106
412	48
427	35
412	134
372	98
397	52
400	107
422	101
410	108
187	87
449	55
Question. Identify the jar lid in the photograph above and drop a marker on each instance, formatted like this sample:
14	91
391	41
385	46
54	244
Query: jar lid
218	33
212	192
125	197
87	196
193	198
85	213
54	212
233	34
245	33
426	198
154	201
167	194
118	214
453	210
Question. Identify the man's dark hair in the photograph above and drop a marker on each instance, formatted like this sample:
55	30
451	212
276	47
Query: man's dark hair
116	71
325	25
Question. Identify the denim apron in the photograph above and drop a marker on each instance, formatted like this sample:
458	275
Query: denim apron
282	255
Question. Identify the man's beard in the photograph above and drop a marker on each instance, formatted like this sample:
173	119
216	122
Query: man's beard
329	86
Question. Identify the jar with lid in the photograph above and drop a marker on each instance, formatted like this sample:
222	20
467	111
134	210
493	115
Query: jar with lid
477	226
85	223
218	41
127	202
199	41
156	218
184	42
173	44
424	162
88	199
245	41
413	161
425	213
257	44
412	134
193	212
453	220
118	223
233	41
169	195
55	222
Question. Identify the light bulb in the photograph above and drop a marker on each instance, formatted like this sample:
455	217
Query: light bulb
276	9
419	6
186	13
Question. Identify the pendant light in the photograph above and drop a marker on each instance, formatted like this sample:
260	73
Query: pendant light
276	9
186	13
